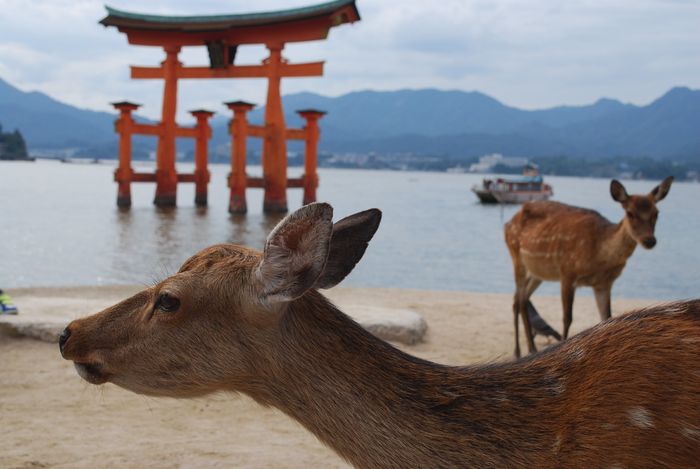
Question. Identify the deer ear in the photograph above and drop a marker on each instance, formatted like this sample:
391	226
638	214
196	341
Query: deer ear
295	254
660	191
617	191
349	241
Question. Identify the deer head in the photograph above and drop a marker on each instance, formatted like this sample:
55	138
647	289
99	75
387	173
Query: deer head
640	210
206	327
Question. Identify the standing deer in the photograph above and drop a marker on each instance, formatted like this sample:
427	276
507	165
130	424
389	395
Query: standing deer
577	247
622	394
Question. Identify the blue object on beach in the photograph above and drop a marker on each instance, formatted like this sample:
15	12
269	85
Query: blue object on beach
6	306
8	309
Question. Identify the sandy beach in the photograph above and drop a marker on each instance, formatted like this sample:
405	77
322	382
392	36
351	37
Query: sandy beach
52	418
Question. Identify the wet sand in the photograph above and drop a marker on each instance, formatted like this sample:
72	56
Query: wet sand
49	417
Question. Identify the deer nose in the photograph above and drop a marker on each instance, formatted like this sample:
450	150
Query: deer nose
649	242
63	338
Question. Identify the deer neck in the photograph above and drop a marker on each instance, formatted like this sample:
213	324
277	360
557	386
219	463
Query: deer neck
377	406
618	245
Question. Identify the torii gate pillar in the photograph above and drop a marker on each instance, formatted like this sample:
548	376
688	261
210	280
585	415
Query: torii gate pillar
312	134
275	145
238	180
166	174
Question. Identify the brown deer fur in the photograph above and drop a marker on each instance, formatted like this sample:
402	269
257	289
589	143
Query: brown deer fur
623	394
577	247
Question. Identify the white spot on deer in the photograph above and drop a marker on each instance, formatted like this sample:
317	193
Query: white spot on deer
691	432
640	417
527	252
502	396
556	447
558	387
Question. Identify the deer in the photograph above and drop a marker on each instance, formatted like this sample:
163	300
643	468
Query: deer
234	319
552	241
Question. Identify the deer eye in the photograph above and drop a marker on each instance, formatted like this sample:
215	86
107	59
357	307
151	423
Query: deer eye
630	214
167	303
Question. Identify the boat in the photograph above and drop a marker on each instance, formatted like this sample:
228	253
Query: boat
80	160
514	190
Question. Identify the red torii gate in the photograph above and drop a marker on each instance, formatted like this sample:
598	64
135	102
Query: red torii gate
222	34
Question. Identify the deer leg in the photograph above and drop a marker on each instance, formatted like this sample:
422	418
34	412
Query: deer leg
525	287
602	299
520	285
531	285
567	302
522	294
520	307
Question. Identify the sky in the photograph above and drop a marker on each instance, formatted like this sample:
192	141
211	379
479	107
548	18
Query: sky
530	54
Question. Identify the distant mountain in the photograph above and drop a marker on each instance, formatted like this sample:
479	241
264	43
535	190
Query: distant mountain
458	123
50	124
427	121
668	127
433	113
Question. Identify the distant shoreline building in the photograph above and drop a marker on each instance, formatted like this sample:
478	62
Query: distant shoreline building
487	163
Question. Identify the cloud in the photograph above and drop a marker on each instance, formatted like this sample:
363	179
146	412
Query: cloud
530	54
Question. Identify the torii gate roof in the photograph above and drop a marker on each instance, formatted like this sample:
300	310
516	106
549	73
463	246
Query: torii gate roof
291	25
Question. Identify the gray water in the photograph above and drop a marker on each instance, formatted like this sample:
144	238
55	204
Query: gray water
60	226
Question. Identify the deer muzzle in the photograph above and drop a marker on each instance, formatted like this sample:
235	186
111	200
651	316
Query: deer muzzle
87	367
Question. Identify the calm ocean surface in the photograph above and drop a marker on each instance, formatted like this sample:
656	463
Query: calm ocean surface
60	226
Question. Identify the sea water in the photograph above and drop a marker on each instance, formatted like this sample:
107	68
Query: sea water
59	225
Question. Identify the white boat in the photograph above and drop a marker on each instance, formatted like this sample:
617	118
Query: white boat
514	190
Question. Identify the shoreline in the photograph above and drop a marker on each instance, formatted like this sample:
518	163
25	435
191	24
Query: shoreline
485	317
100	290
456	170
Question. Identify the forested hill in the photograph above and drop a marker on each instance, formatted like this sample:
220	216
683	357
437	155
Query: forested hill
427	121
